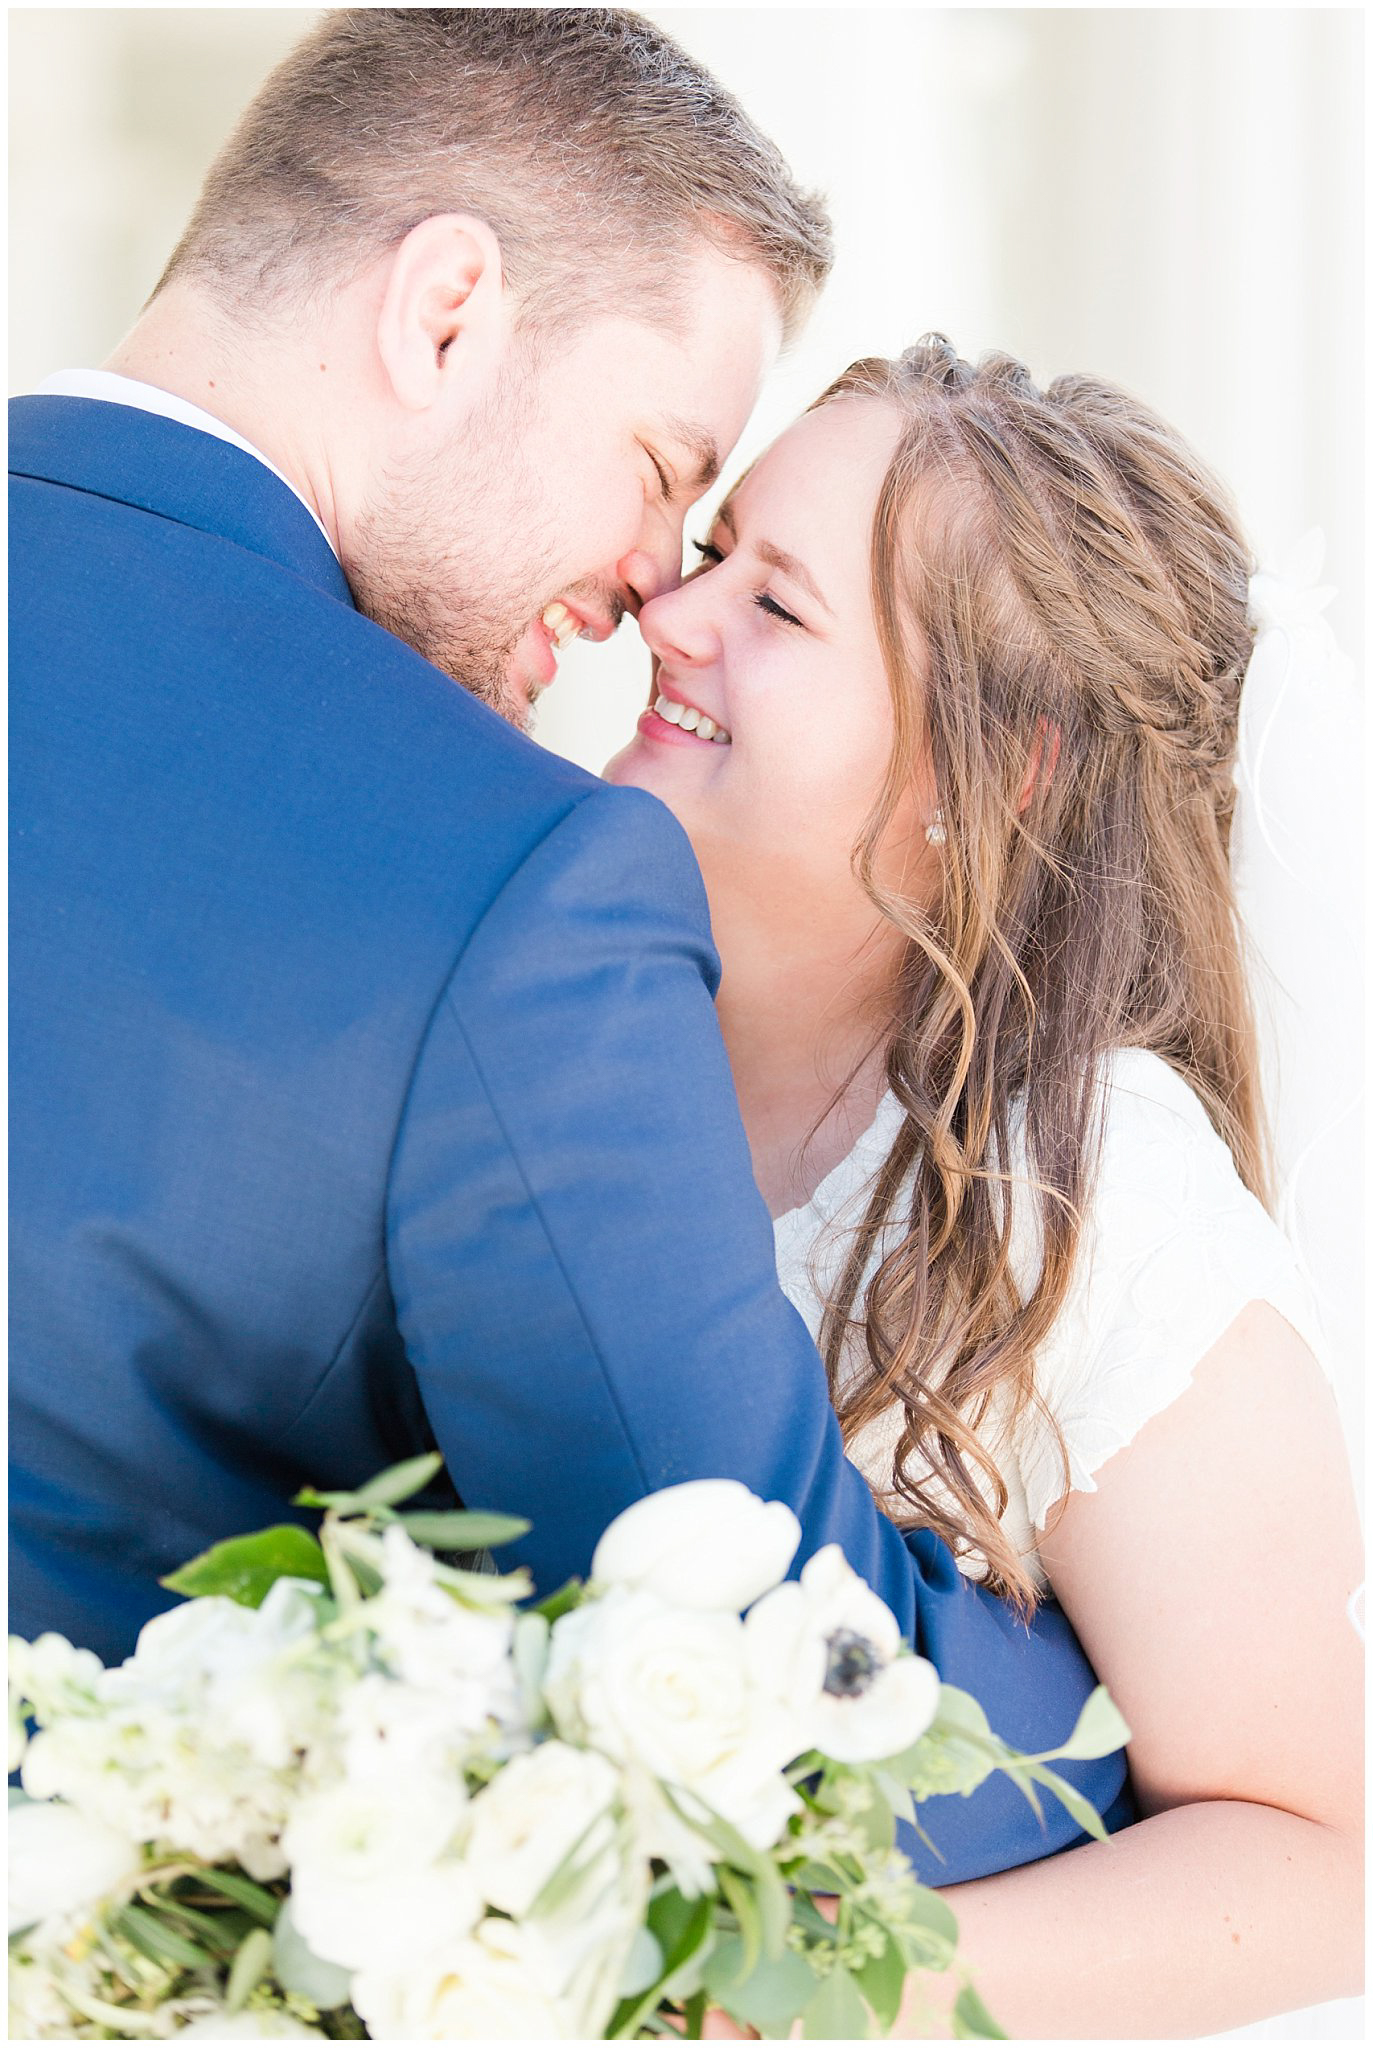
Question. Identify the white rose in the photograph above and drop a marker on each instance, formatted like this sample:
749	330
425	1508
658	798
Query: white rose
674	1692
835	1653
481	1988
532	1815
367	1886
61	1860
708	1543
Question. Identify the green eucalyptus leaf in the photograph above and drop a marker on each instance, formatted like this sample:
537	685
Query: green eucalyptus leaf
836	2012
956	1753
1101	1729
1023	1776
570	1594
1082	1809
972	2021
245	1568
741	1903
929	1931
220	1933
301	1972
400	1482
882	1980
529	1654
643	1965
770	1996
250	1965
678	1957
463	1529
896	1794
232	1884
774	1903
162	1944
669	1916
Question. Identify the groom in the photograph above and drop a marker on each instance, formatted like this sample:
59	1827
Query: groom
367	1090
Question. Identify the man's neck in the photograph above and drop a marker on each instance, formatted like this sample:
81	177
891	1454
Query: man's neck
179	345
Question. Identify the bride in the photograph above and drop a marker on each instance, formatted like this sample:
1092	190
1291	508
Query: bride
949	713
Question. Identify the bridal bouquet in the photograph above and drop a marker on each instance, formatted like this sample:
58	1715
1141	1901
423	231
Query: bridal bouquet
348	1789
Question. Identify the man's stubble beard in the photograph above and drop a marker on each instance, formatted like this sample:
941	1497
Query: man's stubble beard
453	554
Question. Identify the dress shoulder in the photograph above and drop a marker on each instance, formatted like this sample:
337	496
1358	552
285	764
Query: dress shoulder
1174	1247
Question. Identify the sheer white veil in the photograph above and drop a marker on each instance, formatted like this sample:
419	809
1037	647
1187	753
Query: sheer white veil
1298	867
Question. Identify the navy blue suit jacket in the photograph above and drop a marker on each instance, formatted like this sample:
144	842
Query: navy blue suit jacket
368	1096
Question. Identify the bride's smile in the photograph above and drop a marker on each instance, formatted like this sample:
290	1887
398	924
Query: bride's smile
771	644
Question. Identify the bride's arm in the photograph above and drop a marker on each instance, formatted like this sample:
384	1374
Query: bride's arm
1208	1578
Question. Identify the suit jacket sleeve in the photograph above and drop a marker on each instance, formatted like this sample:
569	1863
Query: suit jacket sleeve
584	1276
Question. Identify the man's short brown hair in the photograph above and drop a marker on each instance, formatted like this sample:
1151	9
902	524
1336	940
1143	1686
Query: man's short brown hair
587	139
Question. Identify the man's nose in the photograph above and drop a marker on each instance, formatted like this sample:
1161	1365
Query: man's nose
646	573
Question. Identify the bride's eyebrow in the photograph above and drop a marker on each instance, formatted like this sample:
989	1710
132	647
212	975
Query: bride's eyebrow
776	558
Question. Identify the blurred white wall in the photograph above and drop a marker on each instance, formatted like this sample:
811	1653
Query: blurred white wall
1171	198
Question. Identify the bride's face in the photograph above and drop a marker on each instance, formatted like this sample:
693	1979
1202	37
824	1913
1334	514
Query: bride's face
770	651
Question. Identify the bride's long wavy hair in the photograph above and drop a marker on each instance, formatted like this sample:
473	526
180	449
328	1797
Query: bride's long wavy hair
1061	593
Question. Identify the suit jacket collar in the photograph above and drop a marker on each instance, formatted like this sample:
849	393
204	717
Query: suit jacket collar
139	458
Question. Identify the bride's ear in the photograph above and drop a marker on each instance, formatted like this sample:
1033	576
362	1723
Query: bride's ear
1043	760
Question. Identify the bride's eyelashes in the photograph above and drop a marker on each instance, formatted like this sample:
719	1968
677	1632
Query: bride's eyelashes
711	557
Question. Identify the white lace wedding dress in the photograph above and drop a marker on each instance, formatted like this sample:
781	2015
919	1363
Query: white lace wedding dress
1174	1247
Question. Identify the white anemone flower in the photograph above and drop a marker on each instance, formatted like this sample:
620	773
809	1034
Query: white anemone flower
834	1650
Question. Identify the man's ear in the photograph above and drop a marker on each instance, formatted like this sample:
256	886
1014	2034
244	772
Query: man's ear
1043	760
444	311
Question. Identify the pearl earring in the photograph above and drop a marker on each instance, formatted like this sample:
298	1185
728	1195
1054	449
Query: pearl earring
934	831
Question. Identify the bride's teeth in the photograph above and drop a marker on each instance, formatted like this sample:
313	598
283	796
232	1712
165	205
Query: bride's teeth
690	720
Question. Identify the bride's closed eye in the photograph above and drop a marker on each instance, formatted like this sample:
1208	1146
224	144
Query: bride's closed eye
711	557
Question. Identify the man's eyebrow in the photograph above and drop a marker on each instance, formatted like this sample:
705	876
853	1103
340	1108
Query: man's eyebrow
698	442
776	558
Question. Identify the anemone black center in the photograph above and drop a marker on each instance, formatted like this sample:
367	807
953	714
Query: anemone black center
853	1664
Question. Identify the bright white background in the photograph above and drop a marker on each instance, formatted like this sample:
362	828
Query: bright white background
1168	197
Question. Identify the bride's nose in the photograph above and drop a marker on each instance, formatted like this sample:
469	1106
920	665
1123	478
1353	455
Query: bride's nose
678	626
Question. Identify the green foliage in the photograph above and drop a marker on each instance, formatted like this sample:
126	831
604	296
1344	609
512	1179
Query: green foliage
463	1529
232	1884
769	1996
1101	1728
929	1931
245	1568
972	2021
149	1933
882	1980
681	1928
569	1595
396	1483
250	1965
836	2012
